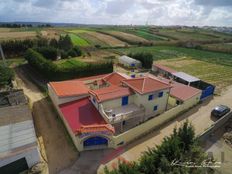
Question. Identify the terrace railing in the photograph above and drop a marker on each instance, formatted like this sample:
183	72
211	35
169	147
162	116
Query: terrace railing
121	117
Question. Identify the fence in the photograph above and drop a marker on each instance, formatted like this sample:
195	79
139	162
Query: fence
218	124
149	125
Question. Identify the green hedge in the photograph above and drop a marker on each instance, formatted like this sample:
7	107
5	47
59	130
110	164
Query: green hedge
52	72
145	58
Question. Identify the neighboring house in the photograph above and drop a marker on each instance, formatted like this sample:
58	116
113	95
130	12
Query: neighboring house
18	142
184	78
129	62
163	70
96	108
180	93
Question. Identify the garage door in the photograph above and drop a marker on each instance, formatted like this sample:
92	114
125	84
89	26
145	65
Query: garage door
14	167
94	141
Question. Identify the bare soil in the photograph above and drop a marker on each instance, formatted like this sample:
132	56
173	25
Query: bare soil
55	145
109	40
17	35
127	36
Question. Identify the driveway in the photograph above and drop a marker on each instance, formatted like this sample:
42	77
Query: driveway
199	116
55	145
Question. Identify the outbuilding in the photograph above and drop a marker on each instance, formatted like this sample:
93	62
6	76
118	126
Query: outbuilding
18	143
129	62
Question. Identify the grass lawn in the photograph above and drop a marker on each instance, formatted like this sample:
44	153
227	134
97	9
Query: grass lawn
67	63
78	40
14	61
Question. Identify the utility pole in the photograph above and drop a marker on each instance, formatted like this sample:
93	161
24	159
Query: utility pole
2	55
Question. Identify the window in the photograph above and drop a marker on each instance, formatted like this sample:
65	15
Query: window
161	94
124	122
150	97
94	100
155	108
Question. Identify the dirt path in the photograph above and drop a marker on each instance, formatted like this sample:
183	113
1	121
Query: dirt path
58	150
199	116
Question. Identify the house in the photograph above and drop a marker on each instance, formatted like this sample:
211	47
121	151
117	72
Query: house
184	78
96	108
180	93
18	142
162	70
129	62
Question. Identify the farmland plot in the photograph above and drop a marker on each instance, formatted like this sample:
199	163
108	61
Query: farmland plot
187	35
130	38
109	40
218	75
17	35
78	40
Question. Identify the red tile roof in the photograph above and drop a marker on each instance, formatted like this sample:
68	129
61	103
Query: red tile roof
111	92
69	88
162	67
146	84
82	117
183	92
114	78
178	90
93	77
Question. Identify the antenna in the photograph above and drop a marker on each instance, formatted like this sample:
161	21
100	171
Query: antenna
2	55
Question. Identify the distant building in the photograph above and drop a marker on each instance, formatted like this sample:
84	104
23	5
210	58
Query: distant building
129	62
18	143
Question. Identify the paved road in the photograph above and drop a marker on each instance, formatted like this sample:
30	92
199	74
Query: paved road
199	116
56	147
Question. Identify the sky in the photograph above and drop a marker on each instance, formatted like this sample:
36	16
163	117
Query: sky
119	12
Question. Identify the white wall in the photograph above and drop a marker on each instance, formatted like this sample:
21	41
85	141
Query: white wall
149	104
117	102
32	156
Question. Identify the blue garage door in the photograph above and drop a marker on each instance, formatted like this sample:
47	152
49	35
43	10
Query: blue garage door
95	141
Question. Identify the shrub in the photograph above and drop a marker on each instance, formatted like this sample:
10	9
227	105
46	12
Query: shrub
71	53
48	52
54	72
145	58
6	75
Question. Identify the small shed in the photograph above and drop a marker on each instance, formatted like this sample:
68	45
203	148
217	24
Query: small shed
129	62
185	78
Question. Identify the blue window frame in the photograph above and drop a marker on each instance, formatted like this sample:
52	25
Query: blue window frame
155	108
124	100
150	97
161	94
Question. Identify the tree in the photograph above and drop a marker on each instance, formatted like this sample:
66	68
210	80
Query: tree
65	43
180	145
50	53
145	58
6	75
53	43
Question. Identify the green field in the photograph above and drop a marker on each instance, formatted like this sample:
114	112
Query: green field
218	75
78	40
67	63
222	47
191	34
169	52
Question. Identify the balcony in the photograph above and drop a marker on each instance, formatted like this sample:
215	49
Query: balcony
115	115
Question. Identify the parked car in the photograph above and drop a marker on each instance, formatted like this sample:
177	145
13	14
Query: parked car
220	111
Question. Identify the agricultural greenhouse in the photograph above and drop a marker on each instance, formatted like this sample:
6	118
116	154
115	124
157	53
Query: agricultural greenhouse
129	62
